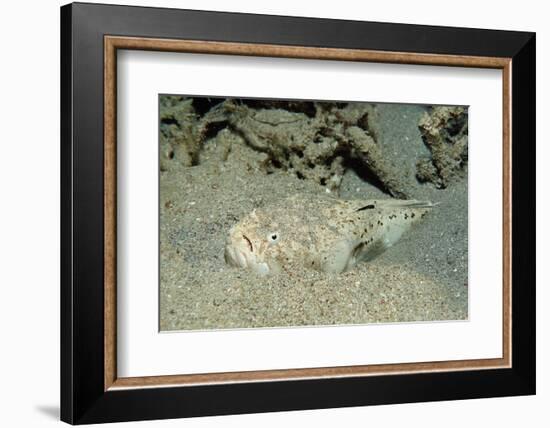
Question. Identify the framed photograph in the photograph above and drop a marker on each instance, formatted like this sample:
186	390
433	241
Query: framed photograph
265	213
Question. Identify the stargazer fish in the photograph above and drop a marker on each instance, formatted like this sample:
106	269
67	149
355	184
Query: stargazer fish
319	232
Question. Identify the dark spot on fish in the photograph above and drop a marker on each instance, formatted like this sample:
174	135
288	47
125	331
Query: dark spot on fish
366	207
412	215
406	216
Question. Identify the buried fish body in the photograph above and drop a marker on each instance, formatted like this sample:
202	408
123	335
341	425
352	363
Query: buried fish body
319	232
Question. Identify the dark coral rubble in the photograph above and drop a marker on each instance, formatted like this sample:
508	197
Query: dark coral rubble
445	133
314	140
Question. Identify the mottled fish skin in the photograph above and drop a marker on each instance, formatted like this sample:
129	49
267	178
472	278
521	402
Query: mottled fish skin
319	232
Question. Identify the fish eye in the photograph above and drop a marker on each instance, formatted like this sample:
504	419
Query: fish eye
273	237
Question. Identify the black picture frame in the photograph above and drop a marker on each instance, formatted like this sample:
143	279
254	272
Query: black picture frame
83	396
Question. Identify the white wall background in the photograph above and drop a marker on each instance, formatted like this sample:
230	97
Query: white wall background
29	213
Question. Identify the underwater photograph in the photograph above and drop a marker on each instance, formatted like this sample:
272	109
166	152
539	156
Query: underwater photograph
293	213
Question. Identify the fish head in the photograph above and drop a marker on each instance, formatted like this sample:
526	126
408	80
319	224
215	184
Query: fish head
254	243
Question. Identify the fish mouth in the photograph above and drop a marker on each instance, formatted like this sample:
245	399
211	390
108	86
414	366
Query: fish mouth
235	257
240	255
249	242
239	251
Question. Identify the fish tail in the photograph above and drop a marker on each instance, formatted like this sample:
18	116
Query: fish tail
421	204
413	203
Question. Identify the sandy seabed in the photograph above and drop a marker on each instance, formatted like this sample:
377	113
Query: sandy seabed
424	277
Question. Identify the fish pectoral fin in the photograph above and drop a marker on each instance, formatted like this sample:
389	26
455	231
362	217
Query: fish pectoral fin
344	255
371	251
337	258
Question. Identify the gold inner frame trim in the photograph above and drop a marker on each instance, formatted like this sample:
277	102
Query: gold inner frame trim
113	43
